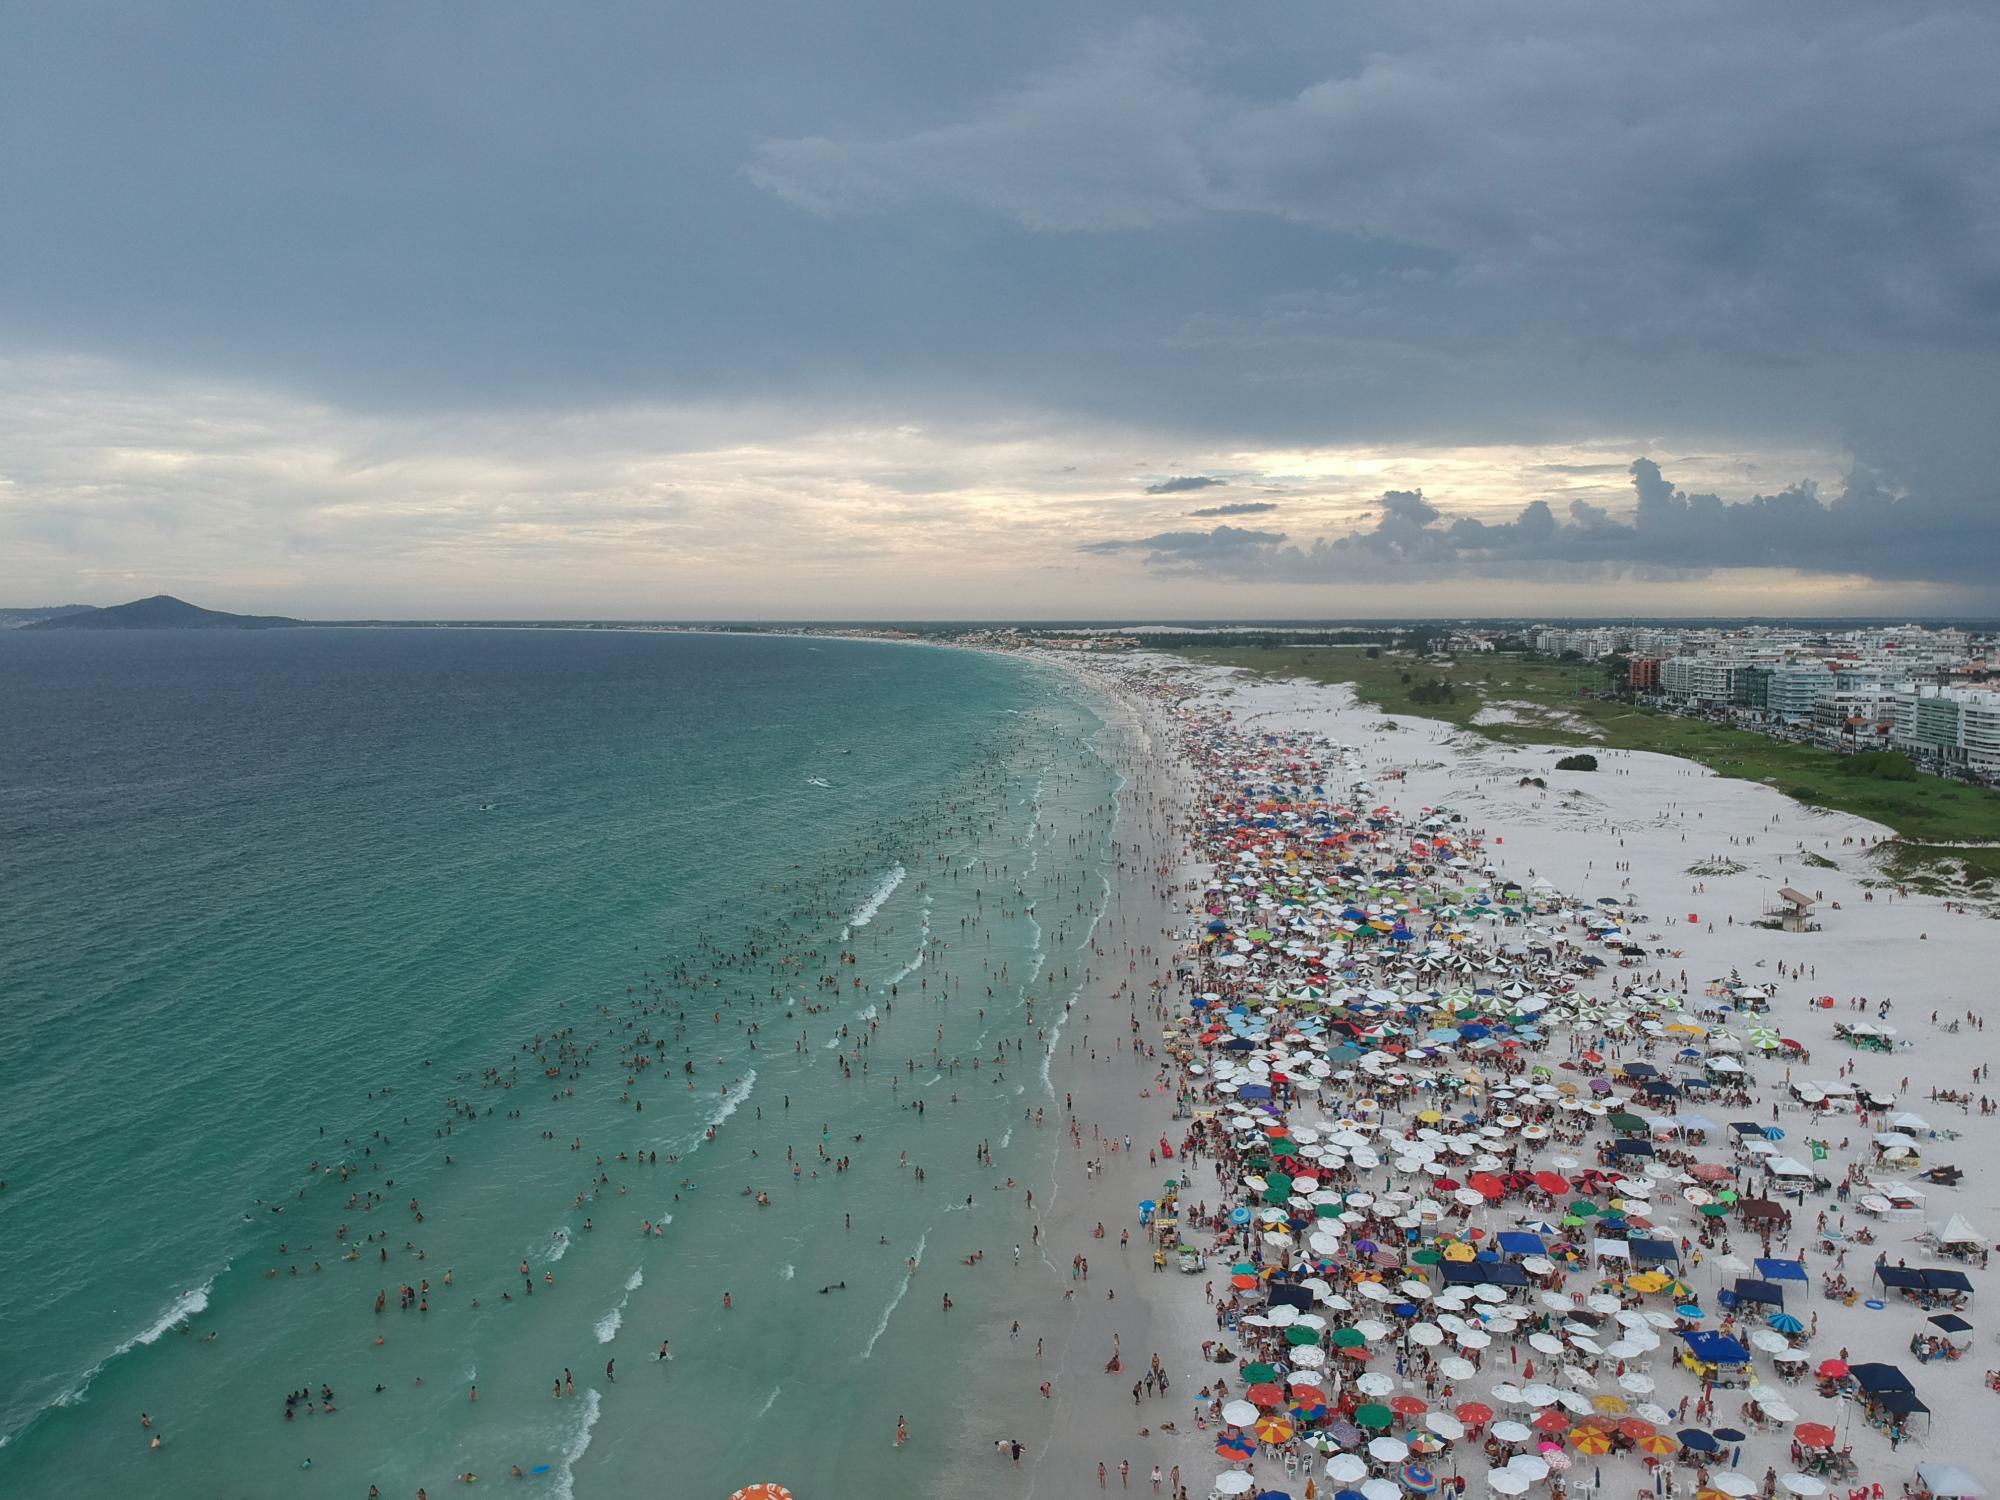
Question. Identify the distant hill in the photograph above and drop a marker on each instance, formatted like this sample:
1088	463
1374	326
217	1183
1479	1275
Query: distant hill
14	619
161	612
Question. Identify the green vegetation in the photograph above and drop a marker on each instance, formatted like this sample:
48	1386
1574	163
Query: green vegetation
1883	765
1577	763
1527	700
1817	861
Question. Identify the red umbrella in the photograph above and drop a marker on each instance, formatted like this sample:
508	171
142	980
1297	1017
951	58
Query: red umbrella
1832	1369
1474	1413
1551	1420
1636	1428
1266	1394
1409	1406
1813	1435
1486	1183
1552	1182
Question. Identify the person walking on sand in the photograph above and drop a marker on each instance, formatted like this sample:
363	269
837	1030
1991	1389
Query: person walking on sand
1100	1475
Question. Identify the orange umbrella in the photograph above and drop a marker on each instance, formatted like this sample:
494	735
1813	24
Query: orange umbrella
1550	1421
1474	1413
1590	1440
1409	1406
1659	1445
1266	1394
1636	1428
1813	1435
1274	1429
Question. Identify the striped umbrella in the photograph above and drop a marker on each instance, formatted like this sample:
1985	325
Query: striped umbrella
1274	1428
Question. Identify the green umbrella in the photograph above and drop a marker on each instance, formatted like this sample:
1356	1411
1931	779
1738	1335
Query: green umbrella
1284	1148
1258	1374
1424	1257
1348	1338
1296	1335
1633	1123
1714	1210
1329	1210
1374	1414
1583	1208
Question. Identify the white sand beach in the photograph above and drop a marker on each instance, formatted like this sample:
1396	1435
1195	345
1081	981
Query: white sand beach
1572	1014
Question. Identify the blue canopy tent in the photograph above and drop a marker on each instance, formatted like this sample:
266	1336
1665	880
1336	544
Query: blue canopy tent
1714	1348
1519	1242
1654	1252
1750	1289
1468	1273
1631	1147
1876	1379
1781	1270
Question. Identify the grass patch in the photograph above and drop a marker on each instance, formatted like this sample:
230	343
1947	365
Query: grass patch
1817	861
1546	702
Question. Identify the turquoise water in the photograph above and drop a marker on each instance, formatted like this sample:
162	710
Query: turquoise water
300	928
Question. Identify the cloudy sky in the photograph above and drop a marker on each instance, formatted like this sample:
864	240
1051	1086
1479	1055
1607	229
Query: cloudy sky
888	309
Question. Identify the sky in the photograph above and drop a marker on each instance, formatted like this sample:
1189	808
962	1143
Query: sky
908	310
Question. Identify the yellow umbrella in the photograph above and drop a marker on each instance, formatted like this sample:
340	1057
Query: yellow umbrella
1648	1281
1460	1252
1610	1405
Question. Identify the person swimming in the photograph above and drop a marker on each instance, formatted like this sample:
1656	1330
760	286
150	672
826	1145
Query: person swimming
838	1286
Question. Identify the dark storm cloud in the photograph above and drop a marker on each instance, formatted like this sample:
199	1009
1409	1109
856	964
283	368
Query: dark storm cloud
1865	530
1237	508
1182	483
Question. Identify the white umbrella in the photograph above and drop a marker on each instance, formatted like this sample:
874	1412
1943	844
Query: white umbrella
1637	1384
1506	1482
1601	1302
1539	1394
1444	1424
1456	1369
1489	1294
1529	1465
1374	1383
1234	1482
1545	1343
1346	1468
1509	1394
1307	1357
1380	1489
1239	1413
1474	1338
1802	1484
1512	1432
1428	1335
1769	1340
1388	1450
1777	1410
1554	1301
1733	1482
1374	1291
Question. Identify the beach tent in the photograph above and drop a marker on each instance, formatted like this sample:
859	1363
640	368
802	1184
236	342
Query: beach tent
1877	1379
1517	1242
1957	1231
1781	1270
1949	1482
1653	1252
1719	1349
1750	1289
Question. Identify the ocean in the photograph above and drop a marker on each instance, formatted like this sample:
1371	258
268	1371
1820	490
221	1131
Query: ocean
364	995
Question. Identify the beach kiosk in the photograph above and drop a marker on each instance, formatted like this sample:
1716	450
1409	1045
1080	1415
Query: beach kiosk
1716	1357
1794	910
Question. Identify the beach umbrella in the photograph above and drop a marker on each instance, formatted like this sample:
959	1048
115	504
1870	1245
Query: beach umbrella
1408	1406
1343	1434
1506	1482
1831	1369
1388	1450
1699	1441
1257	1374
1813	1435
1736	1485
1346	1468
1275	1428
1418	1480
1374	1415
1803	1485
1473	1413
1592	1440
1511	1432
1312	1410
1445	1425
1233	1482
1379	1489
1550	1421
1558	1461
761	1492
1532	1465
1234	1447
1265	1394
1786	1323
1373	1384
1636	1428
1239	1413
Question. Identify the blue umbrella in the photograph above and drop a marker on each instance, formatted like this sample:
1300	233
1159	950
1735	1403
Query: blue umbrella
1695	1438
1418	1480
1786	1323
